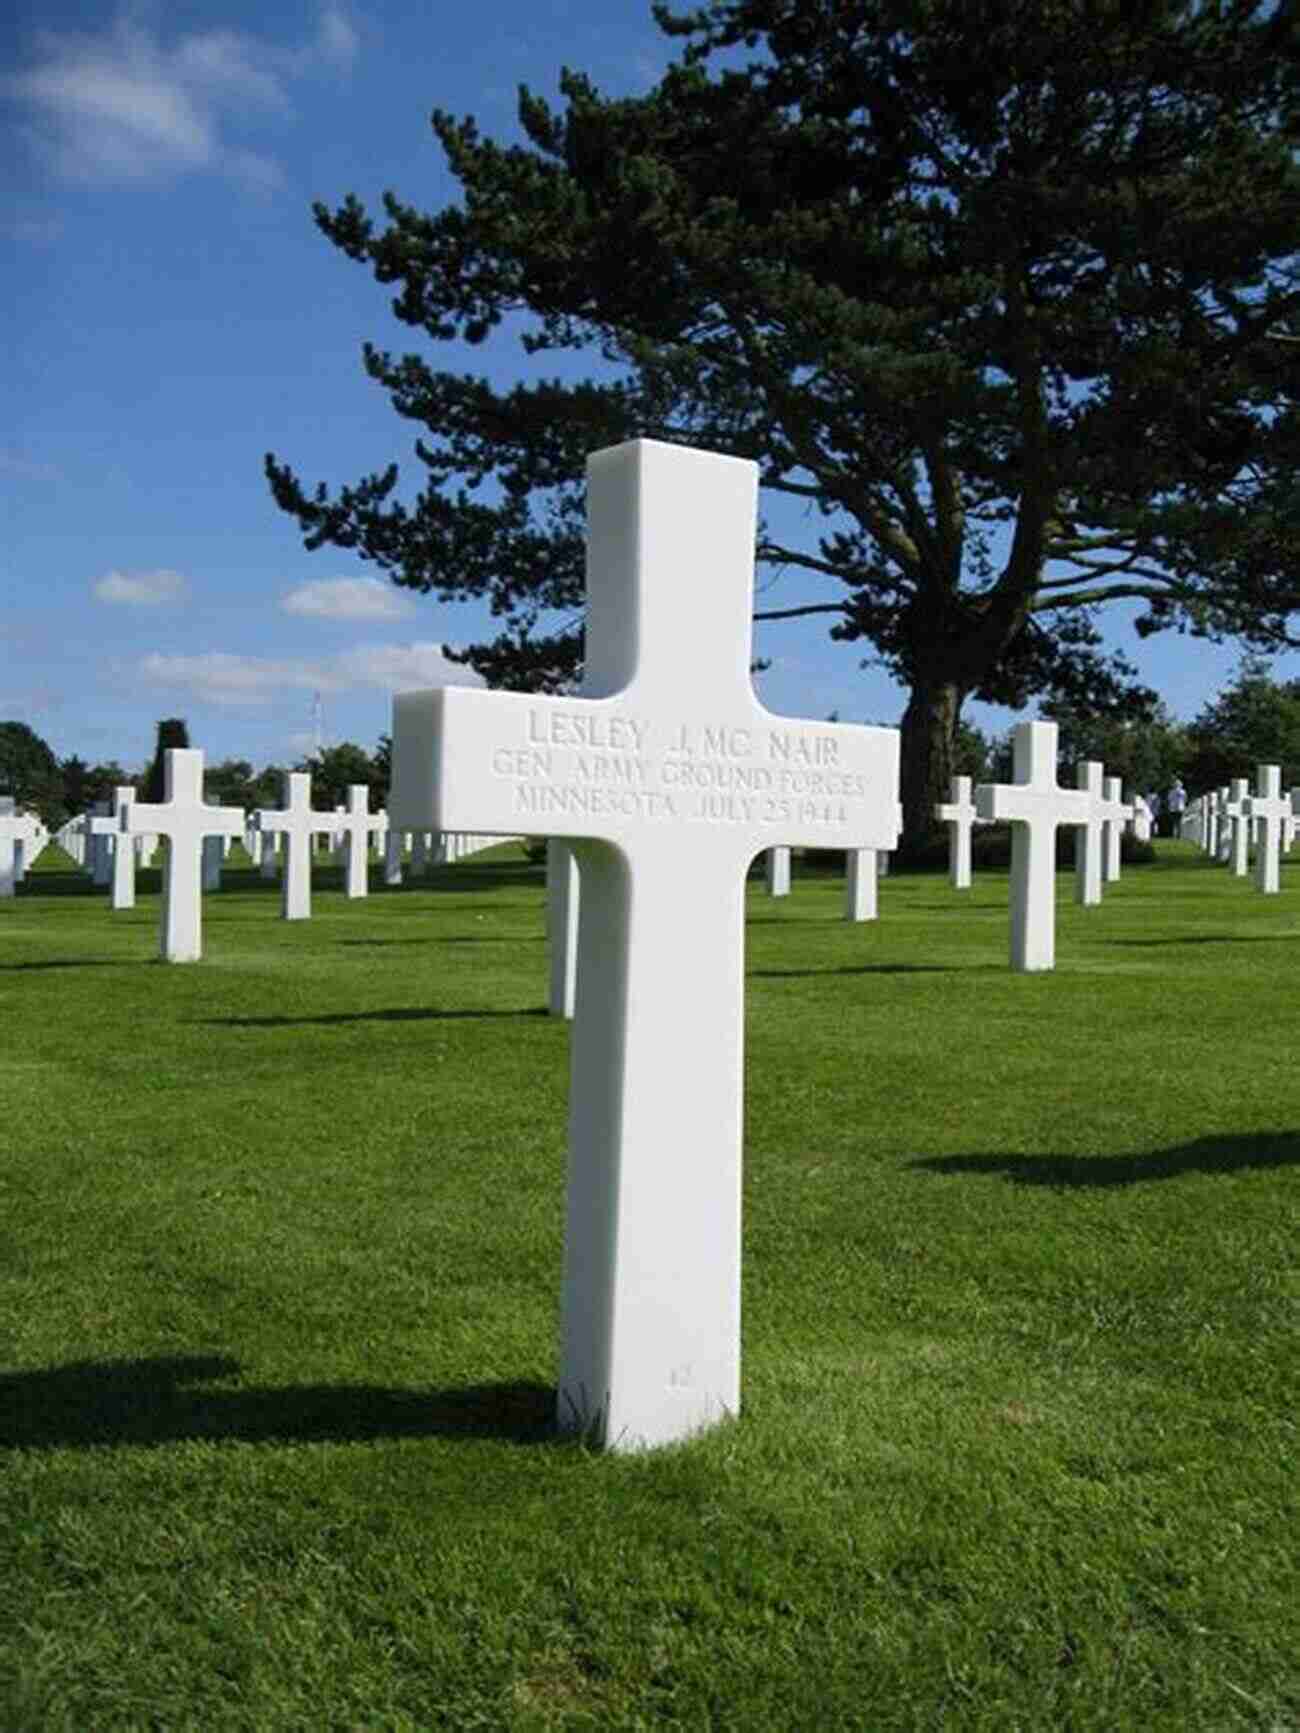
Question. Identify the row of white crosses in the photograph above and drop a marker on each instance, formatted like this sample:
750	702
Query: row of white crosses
22	836
1222	822
1036	806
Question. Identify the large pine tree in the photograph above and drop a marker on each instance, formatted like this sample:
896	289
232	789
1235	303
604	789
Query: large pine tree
1004	292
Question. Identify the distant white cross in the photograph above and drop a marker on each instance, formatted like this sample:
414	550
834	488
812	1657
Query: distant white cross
392	855
1035	805
184	820
1114	816
298	825
96	849
355	829
959	815
1088	840
861	885
562	902
1236	810
1267	808
15	828
123	850
777	867
668	776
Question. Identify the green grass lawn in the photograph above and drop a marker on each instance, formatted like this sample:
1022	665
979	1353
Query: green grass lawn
280	1242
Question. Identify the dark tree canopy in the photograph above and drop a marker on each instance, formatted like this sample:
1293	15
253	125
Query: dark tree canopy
1006	294
173	733
1253	721
29	771
335	768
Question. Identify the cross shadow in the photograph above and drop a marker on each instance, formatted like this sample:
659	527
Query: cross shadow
161	1400
1227	1154
417	1014
78	963
1214	939
454	939
880	969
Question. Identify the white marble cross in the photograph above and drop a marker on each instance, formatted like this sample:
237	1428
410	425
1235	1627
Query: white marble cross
392	855
98	862
213	857
1035	805
123	850
562	903
959	815
1114	816
298	825
184	820
861	885
1266	809
1236	812
270	843
668	776
355	829
777	867
1088	838
15	828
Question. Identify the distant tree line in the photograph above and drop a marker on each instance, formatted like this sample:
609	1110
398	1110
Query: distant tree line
1254	720
60	788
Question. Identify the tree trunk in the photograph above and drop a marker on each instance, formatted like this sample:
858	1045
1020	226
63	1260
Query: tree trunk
929	737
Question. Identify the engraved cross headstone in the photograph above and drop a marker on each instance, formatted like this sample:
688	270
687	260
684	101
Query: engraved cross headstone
1266	808
1035	805
184	820
668	776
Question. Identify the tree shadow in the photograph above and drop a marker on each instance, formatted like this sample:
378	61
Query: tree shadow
416	1014
1225	1154
157	1401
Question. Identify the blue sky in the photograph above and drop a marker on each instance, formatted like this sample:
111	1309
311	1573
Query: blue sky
173	313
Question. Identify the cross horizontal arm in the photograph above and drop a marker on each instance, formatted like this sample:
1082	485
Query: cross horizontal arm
608	768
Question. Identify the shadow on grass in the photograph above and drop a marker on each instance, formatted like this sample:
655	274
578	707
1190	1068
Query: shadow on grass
1206	1155
79	963
160	1401
880	969
1213	939
454	939
416	1014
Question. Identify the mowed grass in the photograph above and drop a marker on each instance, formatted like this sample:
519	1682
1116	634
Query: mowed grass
280	1247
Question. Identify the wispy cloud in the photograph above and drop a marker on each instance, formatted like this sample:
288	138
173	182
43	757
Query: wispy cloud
218	677
122	104
24	468
347	599
141	589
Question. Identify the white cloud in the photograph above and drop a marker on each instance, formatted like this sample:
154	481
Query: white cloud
336	37
141	589
347	599
121	104
217	677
